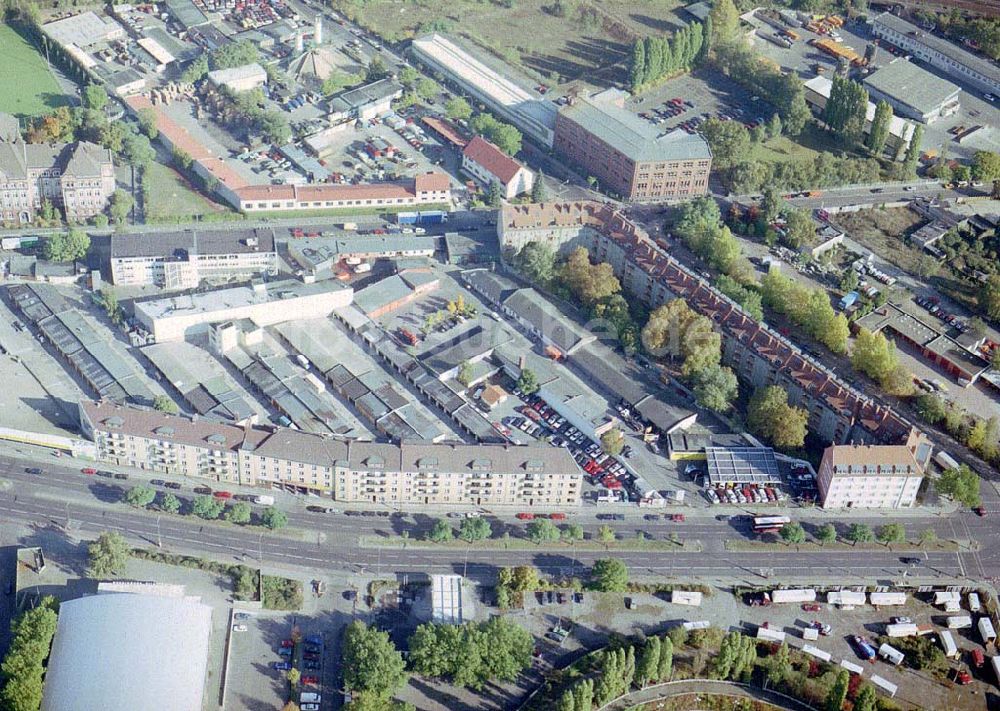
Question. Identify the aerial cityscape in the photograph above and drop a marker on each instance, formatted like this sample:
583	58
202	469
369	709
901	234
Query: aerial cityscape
511	355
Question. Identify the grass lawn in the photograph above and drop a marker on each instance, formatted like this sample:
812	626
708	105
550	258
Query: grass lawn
172	199
28	88
593	37
803	148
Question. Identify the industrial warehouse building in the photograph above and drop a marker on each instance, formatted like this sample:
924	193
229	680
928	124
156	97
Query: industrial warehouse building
817	93
913	92
129	652
938	52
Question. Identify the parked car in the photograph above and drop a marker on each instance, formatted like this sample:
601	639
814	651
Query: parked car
34	470
525	516
281	666
239	628
90	471
810	607
901	620
120	476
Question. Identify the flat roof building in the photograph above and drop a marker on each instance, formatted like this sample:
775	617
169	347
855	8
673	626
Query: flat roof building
162	642
365	102
83	30
741	465
182	260
243	78
631	157
871	476
941	54
817	93
913	92
347	470
527	110
176	317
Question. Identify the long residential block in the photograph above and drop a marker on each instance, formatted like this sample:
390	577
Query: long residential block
349	471
759	355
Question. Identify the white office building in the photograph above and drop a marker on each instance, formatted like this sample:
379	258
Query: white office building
870	476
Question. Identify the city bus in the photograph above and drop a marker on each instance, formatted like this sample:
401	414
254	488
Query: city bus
769	524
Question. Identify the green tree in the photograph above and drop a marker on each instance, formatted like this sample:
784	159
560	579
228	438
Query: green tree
527	382
542	531
928	536
606	534
234	54
800	229
196	70
873	355
536	261
827	533
793	533
147	123
427	89
408	76
590	283
566	701
729	141
613	442
162	403
94	97
988	297
609	575
725	19
465	373
538	192
649	662
866	699
170	503
508	139
837	694
583	695
458	109
494	195
665	666
891	533
860	533
376	69
238	513
273	518
474	529
23	666
637	65
108	555
961	483
473	654
572	533
108	299
931	408
779	665
715	388
913	151
986	166
139	496
370	661
68	247
207	507
879	132
770	416
440	532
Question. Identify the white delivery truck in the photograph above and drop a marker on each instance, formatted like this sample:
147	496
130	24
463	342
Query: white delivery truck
974	604
948	644
264	500
793	595
959	622
891	654
986	630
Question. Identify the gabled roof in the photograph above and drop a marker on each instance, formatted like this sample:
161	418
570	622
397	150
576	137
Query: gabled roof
492	159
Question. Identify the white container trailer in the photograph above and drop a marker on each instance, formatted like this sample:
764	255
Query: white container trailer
816	652
810	633
891	654
995	663
770	635
946	596
959	622
948	644
904	630
887	598
699	625
686	597
953	606
974	604
846	598
945	461
986	630
852	667
793	595
885	685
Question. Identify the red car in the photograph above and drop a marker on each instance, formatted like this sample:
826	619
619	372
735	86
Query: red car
89	471
811	607
677	518
558	516
309	679
962	678
525	516
287	643
222	495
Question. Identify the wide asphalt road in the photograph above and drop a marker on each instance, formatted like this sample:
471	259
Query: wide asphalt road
85	506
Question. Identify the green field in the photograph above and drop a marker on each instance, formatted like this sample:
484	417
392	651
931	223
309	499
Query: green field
590	42
172	199
27	88
805	147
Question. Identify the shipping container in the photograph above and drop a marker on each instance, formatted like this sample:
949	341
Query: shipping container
699	625
770	635
986	630
884	684
946	596
948	644
995	662
945	460
793	595
845	598
974	605
852	667
887	598
904	630
816	652
959	622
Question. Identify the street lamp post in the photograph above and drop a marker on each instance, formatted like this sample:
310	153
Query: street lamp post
159	536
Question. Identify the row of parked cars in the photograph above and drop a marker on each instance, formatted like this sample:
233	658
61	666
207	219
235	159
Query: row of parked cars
933	305
748	493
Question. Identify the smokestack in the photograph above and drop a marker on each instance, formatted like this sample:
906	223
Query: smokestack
318	31
298	43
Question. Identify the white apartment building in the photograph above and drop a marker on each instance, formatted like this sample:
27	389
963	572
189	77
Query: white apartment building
182	260
938	52
488	164
869	476
349	471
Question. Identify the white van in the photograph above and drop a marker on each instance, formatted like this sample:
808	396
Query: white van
310	697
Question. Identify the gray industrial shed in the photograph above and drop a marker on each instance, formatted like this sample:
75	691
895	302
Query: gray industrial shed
124	652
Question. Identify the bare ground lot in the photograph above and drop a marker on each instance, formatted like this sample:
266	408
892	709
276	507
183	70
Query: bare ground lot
593	36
